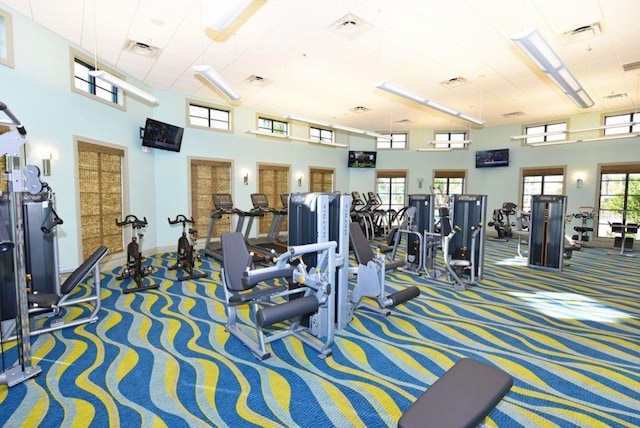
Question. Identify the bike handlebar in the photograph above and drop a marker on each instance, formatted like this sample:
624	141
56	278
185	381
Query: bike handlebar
134	221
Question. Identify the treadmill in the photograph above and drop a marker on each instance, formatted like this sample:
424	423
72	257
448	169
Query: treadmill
271	242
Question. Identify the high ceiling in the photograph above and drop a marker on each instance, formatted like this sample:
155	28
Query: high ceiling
306	66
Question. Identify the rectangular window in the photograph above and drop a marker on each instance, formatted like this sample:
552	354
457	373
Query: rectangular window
320	134
619	200
391	187
209	177
548	132
450	140
449	182
393	141
6	38
86	84
273	126
209	117
624	120
321	180
100	190
541	181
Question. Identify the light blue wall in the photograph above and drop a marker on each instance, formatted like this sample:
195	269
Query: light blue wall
38	91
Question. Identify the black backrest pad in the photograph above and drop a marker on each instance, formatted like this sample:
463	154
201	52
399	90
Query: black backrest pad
235	260
83	270
361	247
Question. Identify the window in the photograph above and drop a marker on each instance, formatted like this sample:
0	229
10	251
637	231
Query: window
319	134
449	182
624	121
209	117
100	190
321	180
619	199
273	126
450	140
553	132
90	86
393	141
391	187
209	177
273	181
6	39
541	181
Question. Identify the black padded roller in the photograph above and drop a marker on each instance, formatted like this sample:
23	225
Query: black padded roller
291	309
404	295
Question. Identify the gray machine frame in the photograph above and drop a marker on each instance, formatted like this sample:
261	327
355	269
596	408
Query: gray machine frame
546	232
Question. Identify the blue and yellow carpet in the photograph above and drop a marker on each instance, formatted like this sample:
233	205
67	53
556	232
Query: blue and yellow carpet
162	357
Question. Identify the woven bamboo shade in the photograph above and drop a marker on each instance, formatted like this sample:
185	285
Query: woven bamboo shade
273	180
100	184
208	177
4	187
320	180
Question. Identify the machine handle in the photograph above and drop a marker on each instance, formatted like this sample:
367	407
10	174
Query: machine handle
180	218
14	119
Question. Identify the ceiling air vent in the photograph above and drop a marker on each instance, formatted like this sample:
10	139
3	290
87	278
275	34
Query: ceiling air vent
403	122
513	114
615	96
580	34
256	80
360	109
142	49
454	82
631	66
349	26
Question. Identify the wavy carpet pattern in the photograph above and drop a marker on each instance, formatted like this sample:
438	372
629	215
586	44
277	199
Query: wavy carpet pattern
163	358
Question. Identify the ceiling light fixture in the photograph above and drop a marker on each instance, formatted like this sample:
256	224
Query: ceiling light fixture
335	126
425	101
128	87
585	140
216	80
289	137
536	48
222	16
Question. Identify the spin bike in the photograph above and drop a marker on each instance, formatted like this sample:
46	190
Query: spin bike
187	255
134	268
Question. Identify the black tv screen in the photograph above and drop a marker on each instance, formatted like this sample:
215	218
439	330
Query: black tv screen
160	135
492	158
361	159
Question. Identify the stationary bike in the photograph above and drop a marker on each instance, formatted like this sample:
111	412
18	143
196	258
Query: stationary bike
134	268
187	255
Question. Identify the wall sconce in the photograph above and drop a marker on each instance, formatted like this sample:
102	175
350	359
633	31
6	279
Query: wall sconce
420	181
300	176
245	179
46	166
579	183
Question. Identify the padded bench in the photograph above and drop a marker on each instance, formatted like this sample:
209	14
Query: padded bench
462	397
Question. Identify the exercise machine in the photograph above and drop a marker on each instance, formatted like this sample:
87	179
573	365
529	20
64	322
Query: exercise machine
587	217
546	232
501	220
134	269
462	233
270	243
623	243
422	241
186	253
370	275
361	213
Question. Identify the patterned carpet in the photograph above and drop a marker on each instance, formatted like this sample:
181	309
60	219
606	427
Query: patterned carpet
162	357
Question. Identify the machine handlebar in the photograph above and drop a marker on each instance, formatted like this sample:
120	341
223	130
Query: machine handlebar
14	119
134	221
180	218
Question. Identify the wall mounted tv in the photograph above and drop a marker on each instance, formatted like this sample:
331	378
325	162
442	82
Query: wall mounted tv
492	158
160	135
361	159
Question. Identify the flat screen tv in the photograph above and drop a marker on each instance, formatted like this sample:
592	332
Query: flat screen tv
160	135
361	159
492	158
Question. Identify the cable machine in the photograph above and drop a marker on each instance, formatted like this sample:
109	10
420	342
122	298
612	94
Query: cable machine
546	232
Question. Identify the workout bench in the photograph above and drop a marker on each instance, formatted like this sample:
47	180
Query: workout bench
462	397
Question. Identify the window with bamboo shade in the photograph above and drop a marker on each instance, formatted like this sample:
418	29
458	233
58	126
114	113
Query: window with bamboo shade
273	180
209	177
321	180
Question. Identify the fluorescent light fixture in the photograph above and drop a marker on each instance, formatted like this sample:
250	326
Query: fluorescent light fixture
225	12
410	95
541	134
463	142
127	87
312	141
289	137
573	131
267	134
536	48
434	150
216	80
335	126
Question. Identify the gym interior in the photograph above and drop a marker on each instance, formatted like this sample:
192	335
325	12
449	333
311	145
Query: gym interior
513	295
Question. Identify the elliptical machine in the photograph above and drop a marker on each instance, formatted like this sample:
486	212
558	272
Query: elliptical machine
187	255
134	268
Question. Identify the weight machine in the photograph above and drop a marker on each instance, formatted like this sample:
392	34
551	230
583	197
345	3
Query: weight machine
546	232
134	268
186	254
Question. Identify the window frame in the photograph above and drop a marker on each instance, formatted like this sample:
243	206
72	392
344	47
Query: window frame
562	136
323	172
548	171
381	143
321	131
629	129
448	175
269	131
610	169
78	57
449	142
387	198
209	106
8	59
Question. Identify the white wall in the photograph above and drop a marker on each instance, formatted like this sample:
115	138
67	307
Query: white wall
38	91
